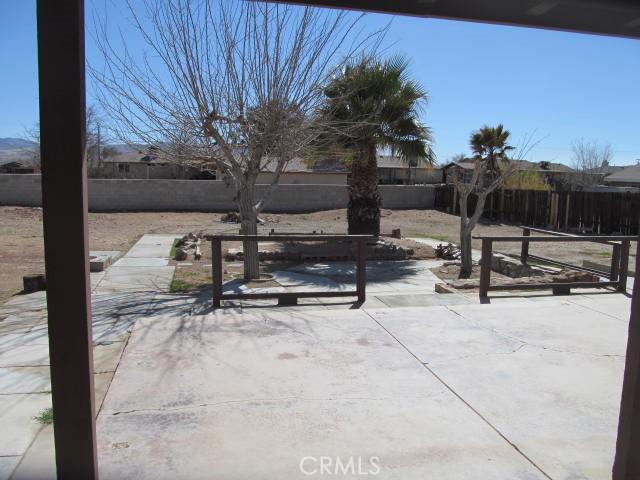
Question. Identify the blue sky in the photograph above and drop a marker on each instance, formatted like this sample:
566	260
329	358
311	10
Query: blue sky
562	86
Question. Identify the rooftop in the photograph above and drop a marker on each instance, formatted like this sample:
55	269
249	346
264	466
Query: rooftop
629	174
468	164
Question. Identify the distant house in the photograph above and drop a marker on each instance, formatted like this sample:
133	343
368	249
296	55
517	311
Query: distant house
299	171
17	167
142	165
393	170
624	177
139	165
552	173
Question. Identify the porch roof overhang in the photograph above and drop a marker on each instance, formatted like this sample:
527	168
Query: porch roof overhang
604	17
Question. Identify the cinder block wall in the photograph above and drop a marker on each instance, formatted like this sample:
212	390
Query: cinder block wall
207	195
20	190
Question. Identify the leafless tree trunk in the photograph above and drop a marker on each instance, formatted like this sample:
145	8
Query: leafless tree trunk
482	183
489	173
226	86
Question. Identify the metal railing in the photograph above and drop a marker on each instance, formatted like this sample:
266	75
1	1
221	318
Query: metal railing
288	298
617	275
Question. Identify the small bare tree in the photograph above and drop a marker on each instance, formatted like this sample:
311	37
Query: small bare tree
33	153
589	159
226	86
93	139
491	168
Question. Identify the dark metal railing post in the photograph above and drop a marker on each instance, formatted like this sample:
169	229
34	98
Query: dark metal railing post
216	266
485	266
524	252
361	269
627	460
615	263
624	266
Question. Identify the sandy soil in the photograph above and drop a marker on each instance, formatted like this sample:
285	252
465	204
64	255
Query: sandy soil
21	247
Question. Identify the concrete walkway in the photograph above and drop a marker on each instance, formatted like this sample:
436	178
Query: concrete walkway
120	295
523	389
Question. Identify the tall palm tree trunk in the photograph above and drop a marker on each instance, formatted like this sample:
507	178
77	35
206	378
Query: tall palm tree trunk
364	196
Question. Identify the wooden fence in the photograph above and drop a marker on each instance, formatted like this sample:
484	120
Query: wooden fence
585	212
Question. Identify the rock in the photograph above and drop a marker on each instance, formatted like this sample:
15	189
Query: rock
448	252
180	255
513	268
464	283
231	217
443	288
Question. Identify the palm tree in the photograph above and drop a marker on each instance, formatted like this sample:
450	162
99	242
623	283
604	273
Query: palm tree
373	105
489	146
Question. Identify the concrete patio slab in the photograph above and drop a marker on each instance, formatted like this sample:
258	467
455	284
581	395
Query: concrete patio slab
560	409
7	466
409	439
549	379
39	462
141	262
614	305
422	300
16	380
16	417
561	326
25	356
436	334
106	356
250	396
28	337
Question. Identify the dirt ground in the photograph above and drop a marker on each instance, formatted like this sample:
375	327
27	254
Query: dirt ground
21	247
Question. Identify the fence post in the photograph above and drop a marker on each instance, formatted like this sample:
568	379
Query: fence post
216	266
361	269
624	266
485	266
615	263
524	252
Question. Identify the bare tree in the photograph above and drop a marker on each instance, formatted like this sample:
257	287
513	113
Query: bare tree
93	139
491	168
589	159
33	134
226	86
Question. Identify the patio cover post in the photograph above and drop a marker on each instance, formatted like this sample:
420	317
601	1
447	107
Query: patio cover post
61	70
627	461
